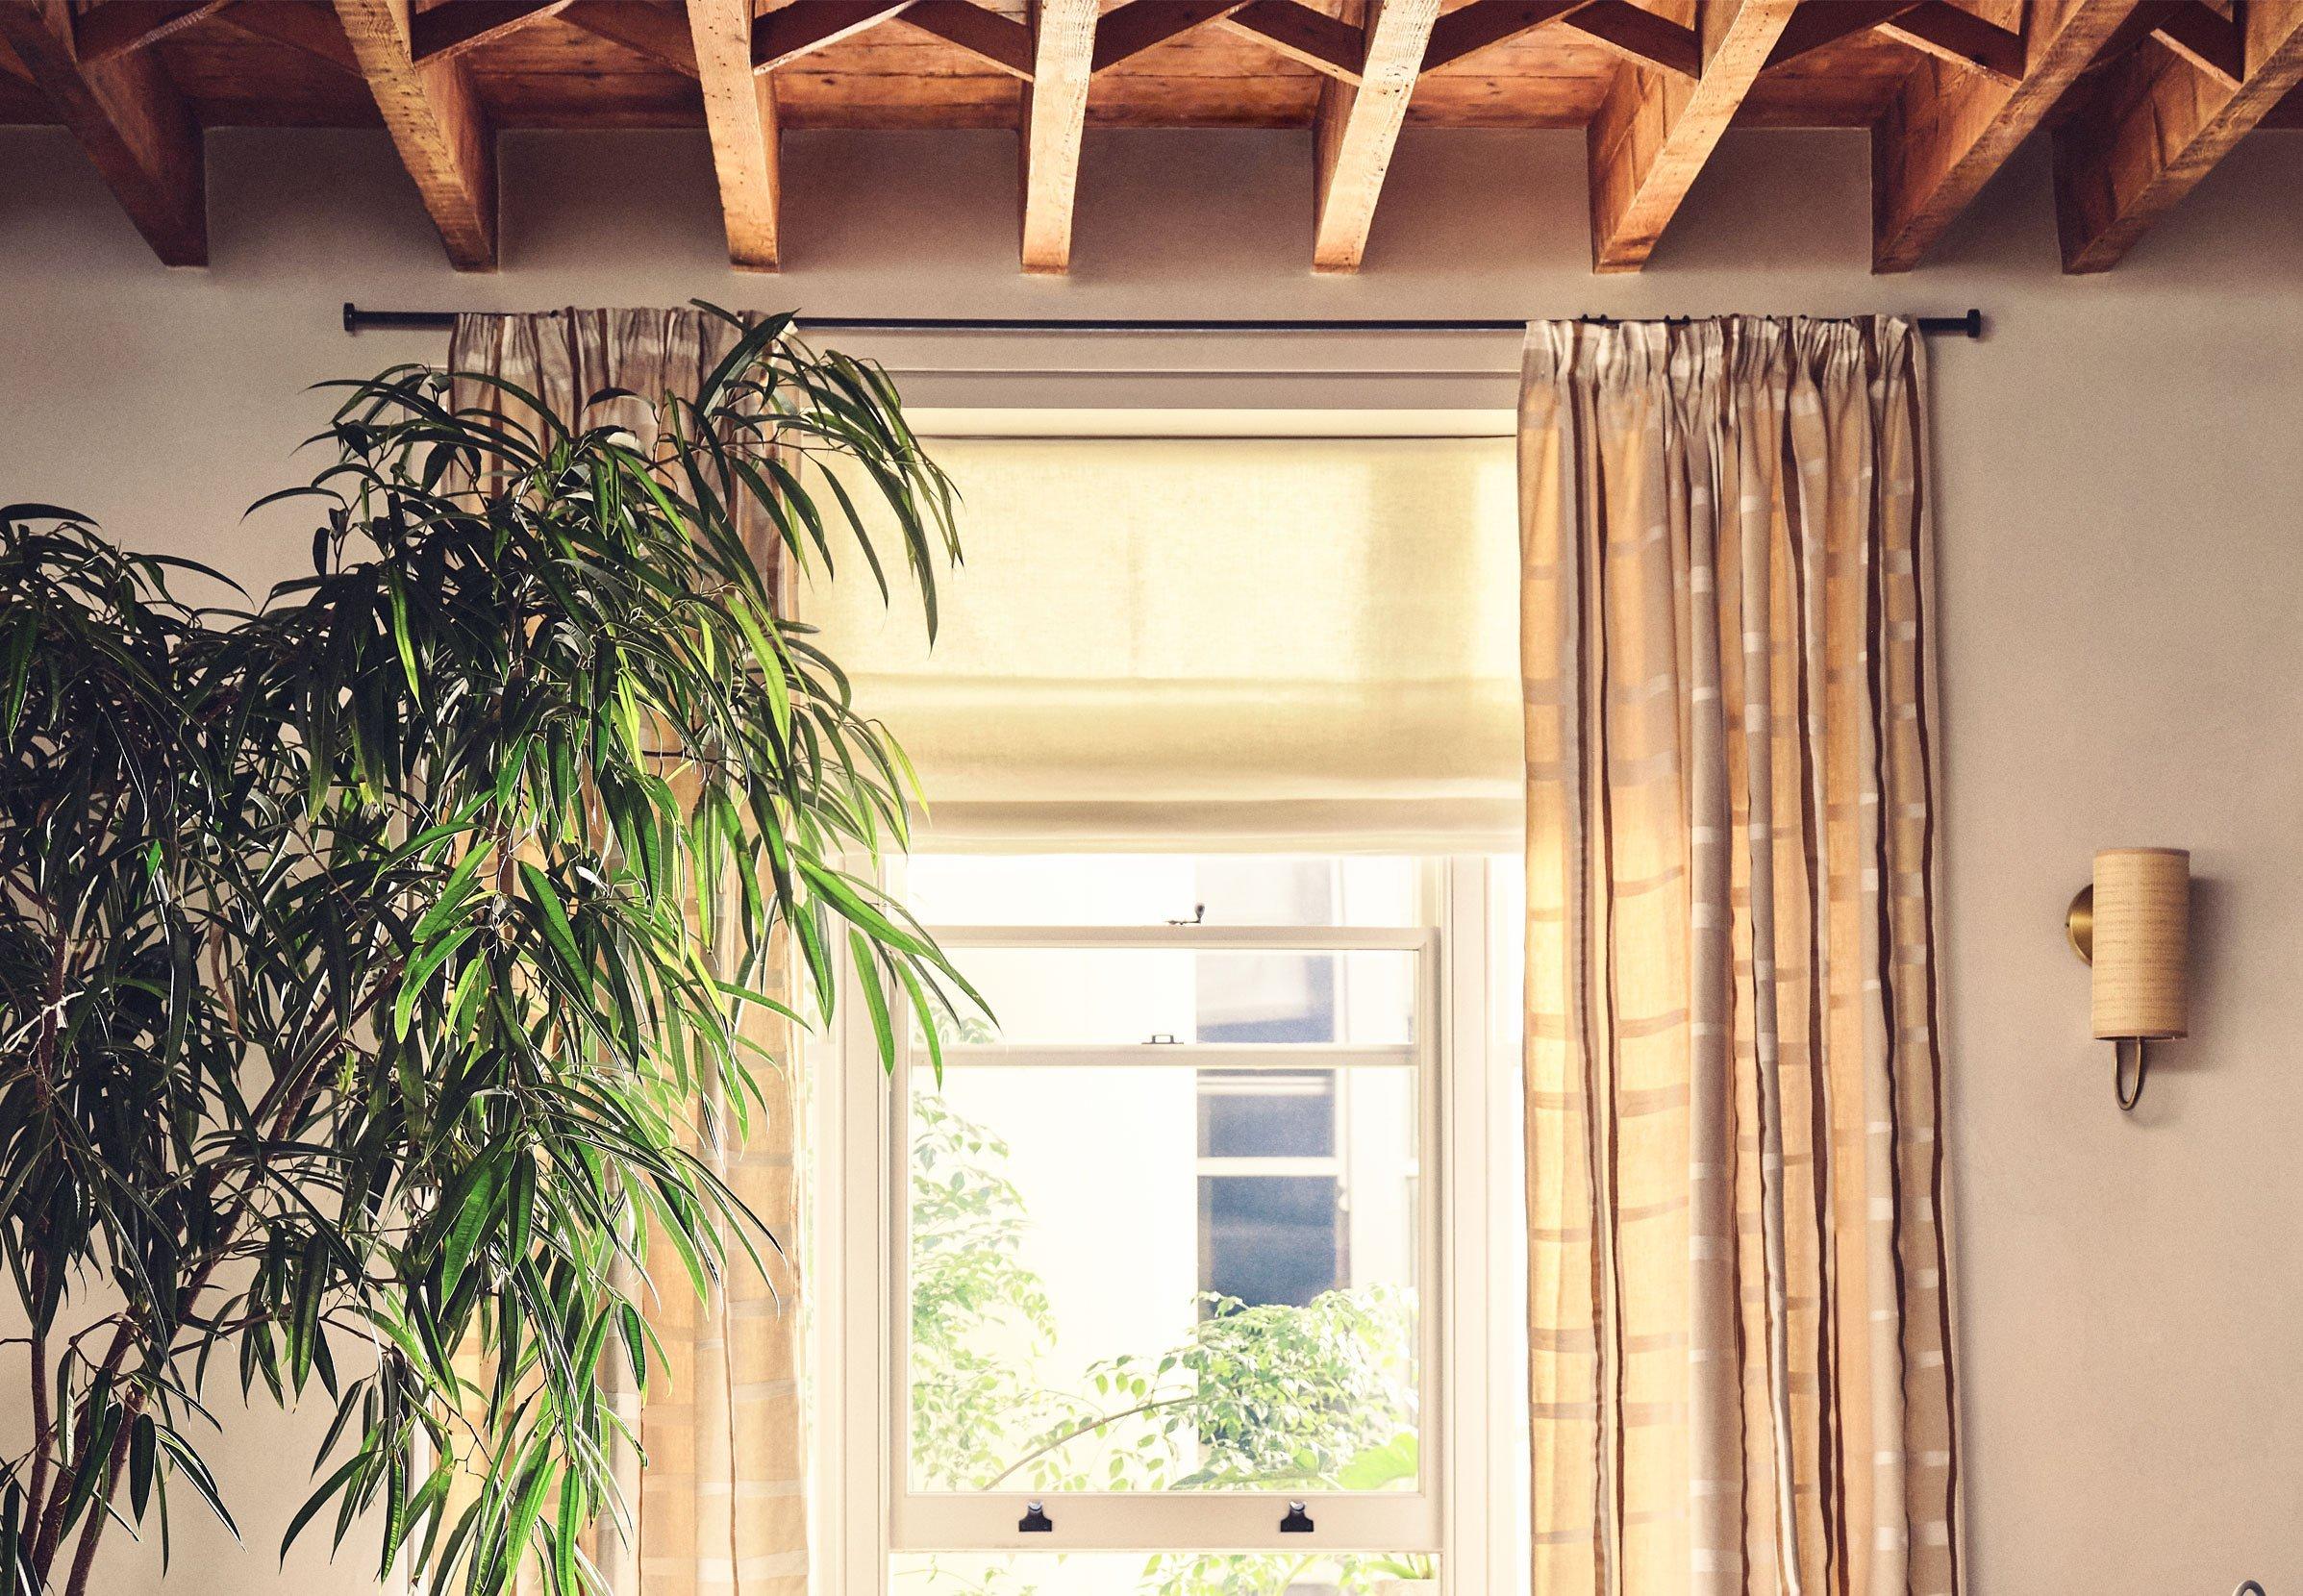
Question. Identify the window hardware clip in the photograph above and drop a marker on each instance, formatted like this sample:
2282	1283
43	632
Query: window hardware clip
1199	916
1034	1520
1298	1522
1163	1038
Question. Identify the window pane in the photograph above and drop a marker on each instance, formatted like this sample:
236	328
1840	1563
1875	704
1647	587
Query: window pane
1276	1114
1105	996
1164	1574
1097	1304
1150	890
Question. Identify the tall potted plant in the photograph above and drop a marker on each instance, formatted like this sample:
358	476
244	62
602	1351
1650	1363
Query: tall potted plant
373	964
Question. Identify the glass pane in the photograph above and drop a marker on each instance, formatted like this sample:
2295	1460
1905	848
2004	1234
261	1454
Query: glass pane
1150	890
1100	1304
1161	1573
1105	996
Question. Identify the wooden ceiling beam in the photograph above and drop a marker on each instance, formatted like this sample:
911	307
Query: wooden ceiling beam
2211	42
1470	29
1655	130
1813	27
1943	31
994	39
1055	117
119	26
450	30
126	114
1357	127
644	27
1322	43
436	123
739	112
1948	131
794	31
2156	125
309	26
1141	24
1642	37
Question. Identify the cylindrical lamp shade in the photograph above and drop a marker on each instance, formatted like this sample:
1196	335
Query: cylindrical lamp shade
2142	936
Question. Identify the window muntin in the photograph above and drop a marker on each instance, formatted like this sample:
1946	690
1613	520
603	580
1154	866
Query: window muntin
1179	1184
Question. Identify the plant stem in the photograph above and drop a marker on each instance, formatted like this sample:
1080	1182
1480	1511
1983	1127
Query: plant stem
1087	1428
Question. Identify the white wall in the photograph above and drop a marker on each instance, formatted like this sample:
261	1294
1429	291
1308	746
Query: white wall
2120	485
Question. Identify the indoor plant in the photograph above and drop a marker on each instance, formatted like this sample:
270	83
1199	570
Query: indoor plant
370	965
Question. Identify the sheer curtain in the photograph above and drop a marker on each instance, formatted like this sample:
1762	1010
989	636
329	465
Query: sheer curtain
1740	1332
721	1505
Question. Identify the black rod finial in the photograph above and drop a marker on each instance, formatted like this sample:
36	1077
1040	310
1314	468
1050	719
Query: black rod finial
351	318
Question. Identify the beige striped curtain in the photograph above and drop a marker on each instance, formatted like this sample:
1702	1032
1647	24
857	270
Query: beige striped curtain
720	1504
1740	1333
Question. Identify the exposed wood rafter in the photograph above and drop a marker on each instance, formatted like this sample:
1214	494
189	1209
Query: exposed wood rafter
1135	27
1470	29
128	116
437	124
641	26
1949	130
119	26
792	32
2157	125
1322	43
1813	27
1942	30
1642	37
989	36
316	30
1358	126
1655	130
450	30
2211	42
739	111
1055	116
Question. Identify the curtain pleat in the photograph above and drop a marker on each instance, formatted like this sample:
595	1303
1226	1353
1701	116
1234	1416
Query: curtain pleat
1737	1313
720	1504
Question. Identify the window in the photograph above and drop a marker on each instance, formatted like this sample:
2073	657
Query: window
1180	1240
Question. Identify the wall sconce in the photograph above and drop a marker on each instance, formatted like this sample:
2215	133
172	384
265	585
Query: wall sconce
2134	926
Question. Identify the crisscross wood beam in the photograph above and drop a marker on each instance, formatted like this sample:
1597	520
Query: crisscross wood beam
1322	43
2156	125
125	113
450	30
644	27
435	122
1655	130
739	112
792	32
986	34
1055	116
1135	27
1949	130
1358	127
119	26
1949	34
1642	37
1470	29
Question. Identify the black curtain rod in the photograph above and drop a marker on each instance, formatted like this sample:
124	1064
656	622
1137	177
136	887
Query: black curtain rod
356	320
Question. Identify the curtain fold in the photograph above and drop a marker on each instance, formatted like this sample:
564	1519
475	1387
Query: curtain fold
721	1505
1740	1330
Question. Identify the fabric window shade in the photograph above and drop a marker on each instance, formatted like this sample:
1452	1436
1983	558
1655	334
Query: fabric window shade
1235	642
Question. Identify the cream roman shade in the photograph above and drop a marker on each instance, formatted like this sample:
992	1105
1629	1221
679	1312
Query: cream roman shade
1243	642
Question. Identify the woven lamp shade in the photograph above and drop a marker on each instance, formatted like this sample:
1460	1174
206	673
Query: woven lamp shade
2142	936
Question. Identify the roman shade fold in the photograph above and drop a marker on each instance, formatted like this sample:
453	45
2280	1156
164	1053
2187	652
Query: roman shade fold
1238	642
1740	1332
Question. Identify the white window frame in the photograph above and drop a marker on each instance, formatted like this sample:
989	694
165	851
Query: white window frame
863	1510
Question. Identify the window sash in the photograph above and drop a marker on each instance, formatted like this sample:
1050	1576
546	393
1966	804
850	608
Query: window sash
1211	1521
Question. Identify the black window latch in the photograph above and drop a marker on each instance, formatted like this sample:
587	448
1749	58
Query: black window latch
1298	1522
1033	1521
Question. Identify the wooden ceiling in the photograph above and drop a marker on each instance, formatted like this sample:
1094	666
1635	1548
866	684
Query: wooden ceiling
2143	95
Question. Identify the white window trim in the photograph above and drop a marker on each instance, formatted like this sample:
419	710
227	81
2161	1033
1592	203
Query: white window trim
859	1515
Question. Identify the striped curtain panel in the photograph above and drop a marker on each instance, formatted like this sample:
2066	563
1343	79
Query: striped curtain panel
717	1485
1739	1328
